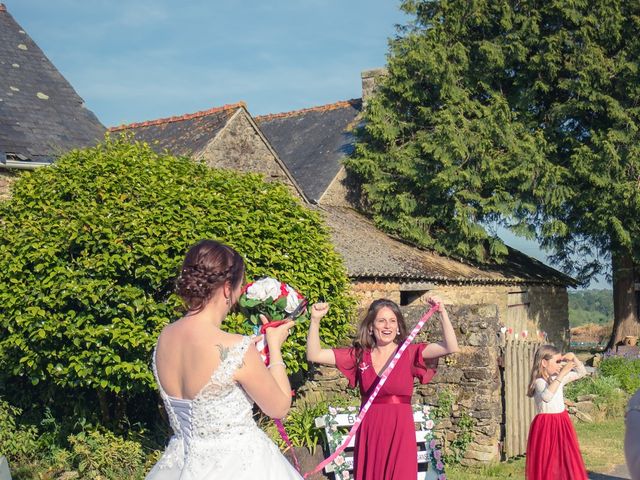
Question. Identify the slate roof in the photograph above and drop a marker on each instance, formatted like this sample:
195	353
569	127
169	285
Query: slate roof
183	134
41	115
370	253
313	141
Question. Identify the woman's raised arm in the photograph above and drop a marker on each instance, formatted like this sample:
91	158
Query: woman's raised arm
315	352
449	343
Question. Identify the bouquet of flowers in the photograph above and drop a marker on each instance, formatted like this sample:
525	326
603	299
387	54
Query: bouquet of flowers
275	300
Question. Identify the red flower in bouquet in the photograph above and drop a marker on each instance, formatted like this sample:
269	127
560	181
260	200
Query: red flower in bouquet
272	298
275	300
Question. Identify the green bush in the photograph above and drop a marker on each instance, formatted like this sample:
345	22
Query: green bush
89	250
607	390
300	426
19	443
626	370
96	455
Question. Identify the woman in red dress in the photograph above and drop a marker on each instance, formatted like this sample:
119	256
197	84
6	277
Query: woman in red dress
385	445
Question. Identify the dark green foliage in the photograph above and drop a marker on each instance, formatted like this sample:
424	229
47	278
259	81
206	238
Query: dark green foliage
98	455
300	426
93	454
442	151
522	113
90	248
625	370
607	389
19	443
590	306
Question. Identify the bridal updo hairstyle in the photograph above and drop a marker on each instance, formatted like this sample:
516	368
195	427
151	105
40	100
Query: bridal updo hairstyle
206	267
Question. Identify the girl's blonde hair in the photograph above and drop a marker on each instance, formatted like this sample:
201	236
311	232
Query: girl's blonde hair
545	352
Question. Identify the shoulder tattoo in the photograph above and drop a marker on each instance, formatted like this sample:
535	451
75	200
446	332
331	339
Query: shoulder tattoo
224	352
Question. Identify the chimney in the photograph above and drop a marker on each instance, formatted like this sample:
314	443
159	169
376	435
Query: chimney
370	79
2	7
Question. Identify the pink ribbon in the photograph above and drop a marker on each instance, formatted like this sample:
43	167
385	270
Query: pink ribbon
383	378
285	437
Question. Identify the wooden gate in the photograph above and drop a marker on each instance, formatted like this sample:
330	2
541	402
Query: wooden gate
519	409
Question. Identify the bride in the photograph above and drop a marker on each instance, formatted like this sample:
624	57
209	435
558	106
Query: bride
209	379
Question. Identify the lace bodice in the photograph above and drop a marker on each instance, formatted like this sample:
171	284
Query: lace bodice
221	408
215	436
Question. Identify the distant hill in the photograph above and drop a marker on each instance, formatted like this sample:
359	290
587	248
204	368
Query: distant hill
590	306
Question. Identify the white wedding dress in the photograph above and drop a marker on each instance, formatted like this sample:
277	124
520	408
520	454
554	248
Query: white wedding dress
215	436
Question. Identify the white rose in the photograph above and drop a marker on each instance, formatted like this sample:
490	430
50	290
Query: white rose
339	460
292	300
264	288
429	424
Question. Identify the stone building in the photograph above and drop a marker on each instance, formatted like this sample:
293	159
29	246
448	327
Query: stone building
531	297
492	307
41	115
222	137
490	304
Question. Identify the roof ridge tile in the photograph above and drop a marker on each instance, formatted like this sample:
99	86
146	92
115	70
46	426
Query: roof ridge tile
319	108
179	118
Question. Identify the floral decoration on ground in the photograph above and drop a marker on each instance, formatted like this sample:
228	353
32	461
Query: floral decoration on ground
342	465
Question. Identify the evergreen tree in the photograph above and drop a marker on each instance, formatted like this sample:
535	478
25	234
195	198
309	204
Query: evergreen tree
521	113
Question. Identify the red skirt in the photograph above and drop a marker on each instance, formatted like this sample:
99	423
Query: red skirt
552	449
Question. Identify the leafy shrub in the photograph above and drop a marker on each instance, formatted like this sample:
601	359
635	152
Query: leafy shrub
300	426
96	455
608	393
454	449
90	247
460	443
19	443
626	370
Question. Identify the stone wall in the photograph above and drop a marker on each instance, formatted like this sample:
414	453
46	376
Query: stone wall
7	177
369	81
240	147
472	376
336	193
534	308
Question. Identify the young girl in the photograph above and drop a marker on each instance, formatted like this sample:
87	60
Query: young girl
385	445
552	448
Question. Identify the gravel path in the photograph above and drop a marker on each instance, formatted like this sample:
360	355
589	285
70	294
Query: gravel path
620	472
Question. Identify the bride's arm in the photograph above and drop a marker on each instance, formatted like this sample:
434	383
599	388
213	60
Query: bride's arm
268	387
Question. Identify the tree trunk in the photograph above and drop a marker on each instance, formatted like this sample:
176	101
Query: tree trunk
625	309
104	407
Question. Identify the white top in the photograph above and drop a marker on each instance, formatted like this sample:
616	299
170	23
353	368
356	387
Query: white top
549	402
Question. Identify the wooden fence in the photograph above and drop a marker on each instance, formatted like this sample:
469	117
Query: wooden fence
519	409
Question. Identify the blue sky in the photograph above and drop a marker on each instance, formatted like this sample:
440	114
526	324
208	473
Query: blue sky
136	60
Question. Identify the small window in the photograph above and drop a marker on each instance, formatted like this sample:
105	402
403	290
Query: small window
409	297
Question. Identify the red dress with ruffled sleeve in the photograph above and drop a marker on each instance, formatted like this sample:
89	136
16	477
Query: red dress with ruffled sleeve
385	445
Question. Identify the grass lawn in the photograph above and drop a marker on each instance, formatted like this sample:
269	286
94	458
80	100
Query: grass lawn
601	445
